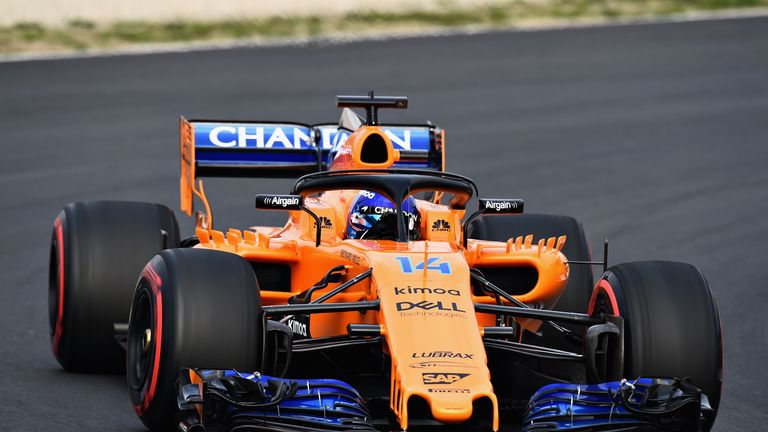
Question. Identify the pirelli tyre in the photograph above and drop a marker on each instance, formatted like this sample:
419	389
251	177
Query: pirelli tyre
97	252
671	323
576	296
193	308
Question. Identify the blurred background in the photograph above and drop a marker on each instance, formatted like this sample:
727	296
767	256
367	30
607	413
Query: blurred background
29	29
645	120
57	12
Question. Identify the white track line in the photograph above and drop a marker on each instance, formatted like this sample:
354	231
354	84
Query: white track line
184	47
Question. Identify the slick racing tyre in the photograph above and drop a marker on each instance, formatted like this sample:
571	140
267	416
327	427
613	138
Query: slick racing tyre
671	323
192	308
97	252
575	298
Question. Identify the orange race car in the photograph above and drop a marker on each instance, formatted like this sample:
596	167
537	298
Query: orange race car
380	305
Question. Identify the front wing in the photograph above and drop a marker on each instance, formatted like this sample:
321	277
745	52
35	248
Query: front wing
229	400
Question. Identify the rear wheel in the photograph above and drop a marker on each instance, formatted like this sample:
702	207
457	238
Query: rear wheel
671	322
192	308
97	251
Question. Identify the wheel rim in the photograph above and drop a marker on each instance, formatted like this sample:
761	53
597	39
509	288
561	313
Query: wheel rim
603	306
605	356
140	350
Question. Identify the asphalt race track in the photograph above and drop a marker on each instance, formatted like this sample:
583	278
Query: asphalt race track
654	136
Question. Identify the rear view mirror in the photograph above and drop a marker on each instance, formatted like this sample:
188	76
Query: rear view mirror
493	206
288	202
279	202
500	206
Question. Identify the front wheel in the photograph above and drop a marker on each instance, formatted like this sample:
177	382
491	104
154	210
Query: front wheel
671	323
192	308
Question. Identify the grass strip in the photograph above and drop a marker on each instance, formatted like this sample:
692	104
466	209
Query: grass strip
82	35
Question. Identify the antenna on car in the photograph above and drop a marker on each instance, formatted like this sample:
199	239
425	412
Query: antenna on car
371	104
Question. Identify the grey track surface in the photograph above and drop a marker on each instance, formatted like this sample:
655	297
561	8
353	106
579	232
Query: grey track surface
655	136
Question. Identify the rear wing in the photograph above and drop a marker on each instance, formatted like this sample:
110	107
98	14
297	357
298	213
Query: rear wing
283	149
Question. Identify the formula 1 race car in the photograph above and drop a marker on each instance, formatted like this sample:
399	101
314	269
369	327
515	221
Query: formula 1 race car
379	305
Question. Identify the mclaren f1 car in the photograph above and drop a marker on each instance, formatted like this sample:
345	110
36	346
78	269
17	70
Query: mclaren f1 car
387	301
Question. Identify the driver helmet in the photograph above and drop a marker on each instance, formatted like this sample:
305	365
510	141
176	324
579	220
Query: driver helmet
373	216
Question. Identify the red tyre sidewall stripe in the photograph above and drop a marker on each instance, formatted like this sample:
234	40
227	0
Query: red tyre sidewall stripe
60	307
155	283
603	286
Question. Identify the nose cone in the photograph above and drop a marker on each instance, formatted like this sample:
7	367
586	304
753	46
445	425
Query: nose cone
451	411
453	406
432	332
